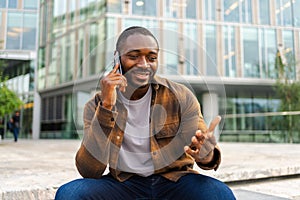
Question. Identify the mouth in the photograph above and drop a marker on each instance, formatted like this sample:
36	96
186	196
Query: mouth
142	74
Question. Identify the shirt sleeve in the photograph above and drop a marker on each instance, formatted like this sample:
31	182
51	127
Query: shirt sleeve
93	154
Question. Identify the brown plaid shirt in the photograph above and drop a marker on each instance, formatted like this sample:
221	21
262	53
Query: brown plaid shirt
174	118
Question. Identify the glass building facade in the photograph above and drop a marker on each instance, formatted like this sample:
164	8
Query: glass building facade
18	52
211	44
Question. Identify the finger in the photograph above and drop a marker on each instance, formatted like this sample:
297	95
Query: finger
188	150
214	123
115	69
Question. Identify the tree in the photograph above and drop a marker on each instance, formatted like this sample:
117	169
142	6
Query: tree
288	90
9	101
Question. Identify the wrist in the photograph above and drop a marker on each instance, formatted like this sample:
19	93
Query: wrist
207	159
106	105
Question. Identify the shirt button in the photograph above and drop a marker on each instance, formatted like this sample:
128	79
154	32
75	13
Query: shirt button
112	119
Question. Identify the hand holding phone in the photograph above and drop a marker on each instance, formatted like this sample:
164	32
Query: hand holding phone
117	60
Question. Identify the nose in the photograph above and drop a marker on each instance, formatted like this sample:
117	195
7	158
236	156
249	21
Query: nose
142	62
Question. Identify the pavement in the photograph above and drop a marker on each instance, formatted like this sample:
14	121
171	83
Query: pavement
34	169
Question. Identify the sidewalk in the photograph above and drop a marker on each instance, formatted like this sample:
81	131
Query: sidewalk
34	169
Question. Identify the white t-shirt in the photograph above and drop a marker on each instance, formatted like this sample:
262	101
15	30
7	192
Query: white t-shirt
135	156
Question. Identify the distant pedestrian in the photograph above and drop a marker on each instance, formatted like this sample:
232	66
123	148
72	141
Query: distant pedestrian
2	128
16	125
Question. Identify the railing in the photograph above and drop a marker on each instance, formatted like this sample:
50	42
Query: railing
272	131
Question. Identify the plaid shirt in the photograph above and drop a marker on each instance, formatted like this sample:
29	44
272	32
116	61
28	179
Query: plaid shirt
174	118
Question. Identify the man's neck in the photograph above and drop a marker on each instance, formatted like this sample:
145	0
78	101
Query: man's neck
135	93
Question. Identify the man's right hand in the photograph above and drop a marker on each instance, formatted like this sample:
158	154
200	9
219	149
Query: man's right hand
109	85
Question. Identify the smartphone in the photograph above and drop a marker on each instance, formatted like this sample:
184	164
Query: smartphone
117	59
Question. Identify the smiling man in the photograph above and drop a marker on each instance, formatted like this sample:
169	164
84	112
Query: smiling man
148	130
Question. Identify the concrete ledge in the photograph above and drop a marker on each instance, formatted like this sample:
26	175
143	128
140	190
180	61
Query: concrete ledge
34	169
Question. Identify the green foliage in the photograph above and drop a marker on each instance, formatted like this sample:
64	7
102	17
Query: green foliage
9	101
288	90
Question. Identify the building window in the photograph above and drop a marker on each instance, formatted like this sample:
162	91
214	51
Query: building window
171	8
289	53
114	6
30	4
170	47
209	10
229	51
231	11
14	30
296	13
12	3
191	9
238	11
283	12
94	41
191	47
29	34
3	4
264	11
143	7
268	51
250	52
211	50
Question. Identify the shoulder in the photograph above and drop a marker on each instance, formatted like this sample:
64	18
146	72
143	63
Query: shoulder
180	90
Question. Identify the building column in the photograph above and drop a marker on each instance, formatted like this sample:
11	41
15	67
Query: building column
36	121
210	108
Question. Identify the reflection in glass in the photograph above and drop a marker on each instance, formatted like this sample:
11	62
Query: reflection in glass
250	52
229	51
231	11
143	7
29	34
243	105
211	50
14	30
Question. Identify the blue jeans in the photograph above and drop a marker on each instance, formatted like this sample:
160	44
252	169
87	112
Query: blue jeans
191	186
16	133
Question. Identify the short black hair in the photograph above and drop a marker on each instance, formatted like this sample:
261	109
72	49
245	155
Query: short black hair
133	30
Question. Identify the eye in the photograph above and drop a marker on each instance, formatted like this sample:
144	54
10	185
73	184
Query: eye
152	58
133	57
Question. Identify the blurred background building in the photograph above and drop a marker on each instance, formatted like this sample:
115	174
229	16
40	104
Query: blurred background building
18	52
224	50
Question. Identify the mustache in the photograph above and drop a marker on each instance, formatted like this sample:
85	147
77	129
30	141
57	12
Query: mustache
141	70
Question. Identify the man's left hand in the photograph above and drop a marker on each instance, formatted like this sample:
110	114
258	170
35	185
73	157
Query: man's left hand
203	143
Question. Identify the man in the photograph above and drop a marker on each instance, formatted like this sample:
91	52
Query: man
16	125
148	130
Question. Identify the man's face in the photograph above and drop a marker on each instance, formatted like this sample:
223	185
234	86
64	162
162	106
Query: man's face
139	55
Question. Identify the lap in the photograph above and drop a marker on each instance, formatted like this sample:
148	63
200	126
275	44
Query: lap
191	186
